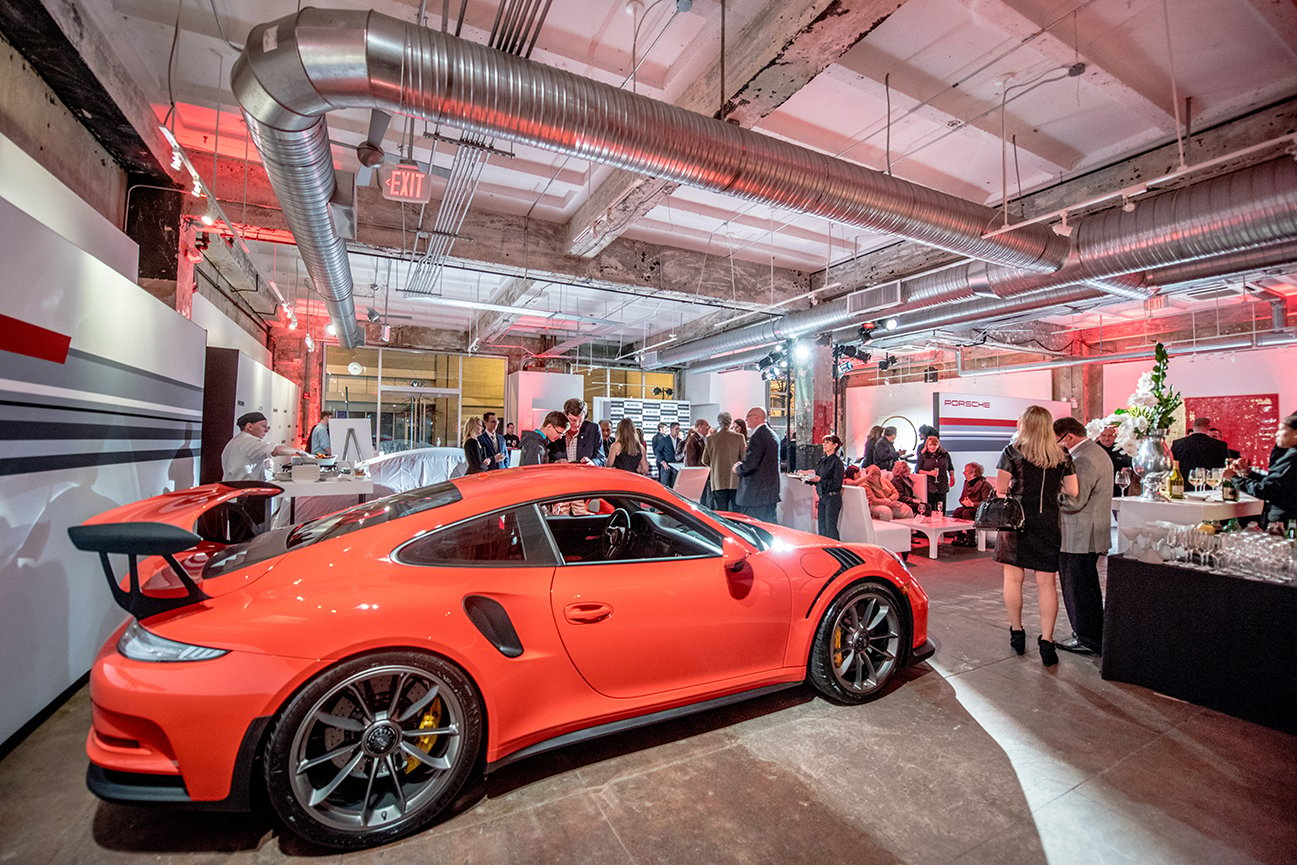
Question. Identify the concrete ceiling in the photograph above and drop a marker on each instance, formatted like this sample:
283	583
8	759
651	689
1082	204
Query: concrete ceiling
984	99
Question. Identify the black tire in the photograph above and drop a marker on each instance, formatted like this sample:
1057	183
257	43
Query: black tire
373	749
859	644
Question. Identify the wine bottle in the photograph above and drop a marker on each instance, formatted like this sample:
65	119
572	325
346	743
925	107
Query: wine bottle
1228	492
1175	483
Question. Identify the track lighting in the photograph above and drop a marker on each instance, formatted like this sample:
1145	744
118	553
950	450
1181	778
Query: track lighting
866	332
887	363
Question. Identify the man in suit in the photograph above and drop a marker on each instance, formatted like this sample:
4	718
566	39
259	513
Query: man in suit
1199	450
1086	520
724	448
758	472
494	449
694	443
1120	459
664	452
1230	453
582	443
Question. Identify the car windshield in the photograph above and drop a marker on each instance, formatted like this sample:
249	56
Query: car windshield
373	513
759	538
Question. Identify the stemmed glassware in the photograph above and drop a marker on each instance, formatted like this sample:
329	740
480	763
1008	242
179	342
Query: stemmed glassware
1124	478
1198	477
1214	477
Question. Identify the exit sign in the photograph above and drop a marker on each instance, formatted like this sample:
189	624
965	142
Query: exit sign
402	182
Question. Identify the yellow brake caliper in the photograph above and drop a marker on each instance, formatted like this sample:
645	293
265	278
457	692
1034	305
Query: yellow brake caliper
837	647
431	719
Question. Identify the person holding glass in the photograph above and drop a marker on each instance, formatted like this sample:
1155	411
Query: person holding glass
1034	468
935	462
1277	487
474	454
827	478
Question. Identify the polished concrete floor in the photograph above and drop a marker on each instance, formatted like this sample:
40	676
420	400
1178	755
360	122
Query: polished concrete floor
979	756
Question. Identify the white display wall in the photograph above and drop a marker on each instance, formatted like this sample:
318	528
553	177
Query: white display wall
222	332
866	406
529	396
1230	373
735	391
111	415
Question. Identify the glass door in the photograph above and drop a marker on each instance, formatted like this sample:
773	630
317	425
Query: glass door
418	417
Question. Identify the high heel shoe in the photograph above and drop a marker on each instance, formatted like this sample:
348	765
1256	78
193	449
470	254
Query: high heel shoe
1048	654
1018	640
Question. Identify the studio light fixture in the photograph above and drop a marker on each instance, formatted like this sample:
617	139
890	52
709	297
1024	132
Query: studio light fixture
801	352
867	331
890	324
886	363
331	329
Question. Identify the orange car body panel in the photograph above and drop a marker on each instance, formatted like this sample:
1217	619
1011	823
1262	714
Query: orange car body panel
681	631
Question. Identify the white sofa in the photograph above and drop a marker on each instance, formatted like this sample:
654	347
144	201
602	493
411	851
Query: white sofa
855	524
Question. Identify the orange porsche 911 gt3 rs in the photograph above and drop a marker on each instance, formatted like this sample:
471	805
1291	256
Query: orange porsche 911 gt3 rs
358	667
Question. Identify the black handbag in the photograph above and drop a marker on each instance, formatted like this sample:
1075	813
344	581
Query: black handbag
999	515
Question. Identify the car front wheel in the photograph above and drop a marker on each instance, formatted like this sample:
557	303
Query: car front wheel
373	749
858	644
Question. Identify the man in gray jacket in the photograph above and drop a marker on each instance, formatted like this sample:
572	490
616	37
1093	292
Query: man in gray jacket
724	448
1087	534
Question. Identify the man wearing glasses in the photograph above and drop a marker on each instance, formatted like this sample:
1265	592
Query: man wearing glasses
582	443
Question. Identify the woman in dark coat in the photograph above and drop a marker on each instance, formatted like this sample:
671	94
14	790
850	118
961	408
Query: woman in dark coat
934	462
827	478
875	433
473	453
885	453
1033	469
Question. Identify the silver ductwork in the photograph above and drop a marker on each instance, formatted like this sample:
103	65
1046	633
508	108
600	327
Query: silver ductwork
295	70
1240	217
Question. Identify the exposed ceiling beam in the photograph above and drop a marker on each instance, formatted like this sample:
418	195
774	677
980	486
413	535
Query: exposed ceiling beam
785	47
513	292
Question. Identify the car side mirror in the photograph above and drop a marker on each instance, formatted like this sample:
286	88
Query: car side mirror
734	556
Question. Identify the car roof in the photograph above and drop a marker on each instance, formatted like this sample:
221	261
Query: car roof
508	486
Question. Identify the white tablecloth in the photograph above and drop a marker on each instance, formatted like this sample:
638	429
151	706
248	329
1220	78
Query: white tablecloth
1132	513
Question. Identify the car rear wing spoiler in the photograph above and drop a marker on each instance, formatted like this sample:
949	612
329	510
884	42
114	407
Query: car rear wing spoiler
135	540
159	526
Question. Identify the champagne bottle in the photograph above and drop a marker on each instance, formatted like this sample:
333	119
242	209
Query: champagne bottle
1175	483
1233	525
1228	492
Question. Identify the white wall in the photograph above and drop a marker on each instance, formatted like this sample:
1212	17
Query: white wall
529	396
735	391
115	419
866	406
222	332
1269	370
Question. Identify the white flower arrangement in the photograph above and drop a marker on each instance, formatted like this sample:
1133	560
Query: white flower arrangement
1151	407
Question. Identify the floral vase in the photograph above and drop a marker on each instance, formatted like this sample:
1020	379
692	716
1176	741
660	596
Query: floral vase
1152	462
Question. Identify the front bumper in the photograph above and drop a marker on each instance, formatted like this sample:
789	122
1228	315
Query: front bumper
923	652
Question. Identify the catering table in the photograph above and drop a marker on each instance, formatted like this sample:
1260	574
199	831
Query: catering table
1220	641
796	508
1133	513
325	497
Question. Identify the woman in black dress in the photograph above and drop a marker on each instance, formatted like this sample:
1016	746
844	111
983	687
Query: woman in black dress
827	478
474	454
934	462
1033	469
627	451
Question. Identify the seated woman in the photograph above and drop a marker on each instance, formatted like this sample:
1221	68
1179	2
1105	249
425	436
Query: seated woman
904	483
884	501
977	489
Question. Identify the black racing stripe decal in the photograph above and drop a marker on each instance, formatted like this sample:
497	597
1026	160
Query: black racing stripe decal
54	431
105	379
847	559
56	462
89	409
133	370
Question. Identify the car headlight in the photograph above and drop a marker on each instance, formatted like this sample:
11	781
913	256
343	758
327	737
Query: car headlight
139	644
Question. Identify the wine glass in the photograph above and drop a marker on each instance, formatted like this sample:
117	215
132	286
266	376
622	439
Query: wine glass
1123	480
1198	477
1214	477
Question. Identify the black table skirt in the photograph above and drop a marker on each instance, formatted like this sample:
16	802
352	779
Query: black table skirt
1223	642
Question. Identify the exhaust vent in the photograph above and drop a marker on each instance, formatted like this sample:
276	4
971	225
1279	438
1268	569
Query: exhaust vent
869	300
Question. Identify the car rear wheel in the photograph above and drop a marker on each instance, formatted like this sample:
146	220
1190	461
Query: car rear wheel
373	749
858	644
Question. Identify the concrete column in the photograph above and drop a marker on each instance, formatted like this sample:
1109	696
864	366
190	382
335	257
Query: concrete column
153	221
813	404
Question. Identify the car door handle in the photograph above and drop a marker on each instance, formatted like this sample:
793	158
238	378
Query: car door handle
587	614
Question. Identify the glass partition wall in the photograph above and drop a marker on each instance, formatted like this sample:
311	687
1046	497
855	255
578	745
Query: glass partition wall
413	399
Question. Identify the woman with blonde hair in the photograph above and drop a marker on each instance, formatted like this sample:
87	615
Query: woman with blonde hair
1033	469
627	451
473	453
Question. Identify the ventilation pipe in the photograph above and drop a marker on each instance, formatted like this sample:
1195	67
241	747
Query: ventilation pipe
295	70
1228	222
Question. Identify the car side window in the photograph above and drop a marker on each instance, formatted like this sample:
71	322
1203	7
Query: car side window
511	537
656	531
